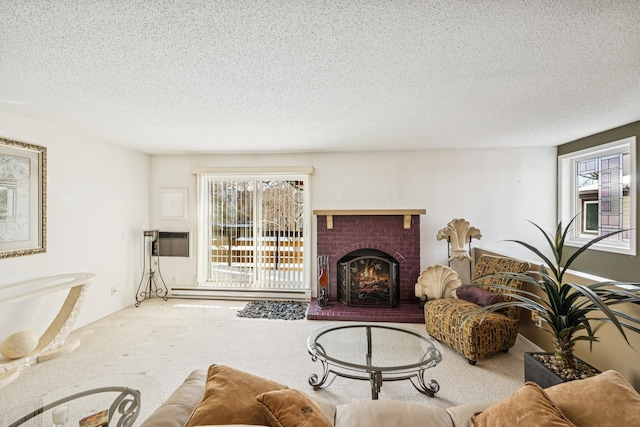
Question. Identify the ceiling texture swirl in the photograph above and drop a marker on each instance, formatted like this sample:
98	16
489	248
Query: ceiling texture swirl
260	76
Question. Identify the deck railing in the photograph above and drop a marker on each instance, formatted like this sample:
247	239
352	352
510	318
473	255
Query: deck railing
275	253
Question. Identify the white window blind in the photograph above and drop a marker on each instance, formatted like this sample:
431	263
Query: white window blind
252	231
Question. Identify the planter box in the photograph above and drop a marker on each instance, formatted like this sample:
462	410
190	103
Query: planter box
537	372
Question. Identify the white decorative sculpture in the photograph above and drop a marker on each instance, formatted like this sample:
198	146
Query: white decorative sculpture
437	281
19	344
458	233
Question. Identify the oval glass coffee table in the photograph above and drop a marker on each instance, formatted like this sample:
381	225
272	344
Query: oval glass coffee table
376	353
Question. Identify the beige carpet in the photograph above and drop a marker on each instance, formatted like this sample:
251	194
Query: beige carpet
165	341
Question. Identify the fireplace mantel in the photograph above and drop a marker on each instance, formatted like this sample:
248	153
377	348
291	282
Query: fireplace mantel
344	212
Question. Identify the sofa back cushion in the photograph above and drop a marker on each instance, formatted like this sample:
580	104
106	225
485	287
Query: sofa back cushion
487	265
177	408
528	406
292	408
230	398
601	401
385	413
461	414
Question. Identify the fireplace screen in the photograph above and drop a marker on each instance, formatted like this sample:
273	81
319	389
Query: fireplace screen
368	278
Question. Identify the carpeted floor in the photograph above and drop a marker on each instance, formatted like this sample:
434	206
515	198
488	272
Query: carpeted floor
161	342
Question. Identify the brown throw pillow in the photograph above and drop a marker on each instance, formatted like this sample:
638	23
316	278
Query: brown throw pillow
604	400
477	295
292	408
529	406
230	398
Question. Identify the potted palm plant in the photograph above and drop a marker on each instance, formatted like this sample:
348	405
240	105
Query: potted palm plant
570	312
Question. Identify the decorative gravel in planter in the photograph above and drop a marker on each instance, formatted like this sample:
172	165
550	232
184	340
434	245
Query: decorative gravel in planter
542	369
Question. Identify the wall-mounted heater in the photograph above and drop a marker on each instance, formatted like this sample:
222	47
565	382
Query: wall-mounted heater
172	243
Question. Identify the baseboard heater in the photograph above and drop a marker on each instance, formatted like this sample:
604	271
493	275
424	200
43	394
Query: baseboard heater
197	292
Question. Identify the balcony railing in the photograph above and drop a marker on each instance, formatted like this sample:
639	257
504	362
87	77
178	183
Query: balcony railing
273	252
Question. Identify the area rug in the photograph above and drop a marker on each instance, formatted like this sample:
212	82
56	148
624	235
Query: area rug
285	310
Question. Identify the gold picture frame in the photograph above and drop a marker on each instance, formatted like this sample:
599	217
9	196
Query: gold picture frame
23	198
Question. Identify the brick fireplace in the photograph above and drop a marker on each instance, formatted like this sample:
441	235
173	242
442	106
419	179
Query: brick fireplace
392	232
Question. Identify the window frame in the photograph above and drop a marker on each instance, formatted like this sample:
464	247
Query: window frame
568	198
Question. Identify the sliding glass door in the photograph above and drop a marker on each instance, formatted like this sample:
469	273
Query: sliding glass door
253	232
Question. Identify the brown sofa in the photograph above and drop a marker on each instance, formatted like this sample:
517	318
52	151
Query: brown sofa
225	396
452	320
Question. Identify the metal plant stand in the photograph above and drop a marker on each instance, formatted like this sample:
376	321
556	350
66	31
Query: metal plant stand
147	288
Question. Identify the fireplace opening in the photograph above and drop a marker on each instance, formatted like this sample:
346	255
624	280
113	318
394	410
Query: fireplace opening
368	277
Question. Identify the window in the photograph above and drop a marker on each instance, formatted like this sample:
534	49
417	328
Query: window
597	186
253	231
590	216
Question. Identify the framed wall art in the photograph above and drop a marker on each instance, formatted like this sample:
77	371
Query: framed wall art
23	198
174	204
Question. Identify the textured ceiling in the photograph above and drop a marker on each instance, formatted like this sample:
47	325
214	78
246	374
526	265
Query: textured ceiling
211	76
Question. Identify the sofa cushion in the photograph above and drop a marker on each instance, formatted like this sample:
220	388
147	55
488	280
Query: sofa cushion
461	414
478	295
390	413
604	400
529	406
177	408
327	408
292	408
230	398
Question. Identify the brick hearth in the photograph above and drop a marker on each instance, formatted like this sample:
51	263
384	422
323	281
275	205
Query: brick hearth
401	313
390	233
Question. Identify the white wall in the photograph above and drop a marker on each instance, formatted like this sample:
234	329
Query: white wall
100	197
97	205
496	190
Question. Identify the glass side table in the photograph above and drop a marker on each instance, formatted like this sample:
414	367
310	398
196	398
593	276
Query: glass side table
128	398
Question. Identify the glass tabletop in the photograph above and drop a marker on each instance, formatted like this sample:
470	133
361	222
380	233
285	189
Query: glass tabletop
15	292
374	347
130	397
